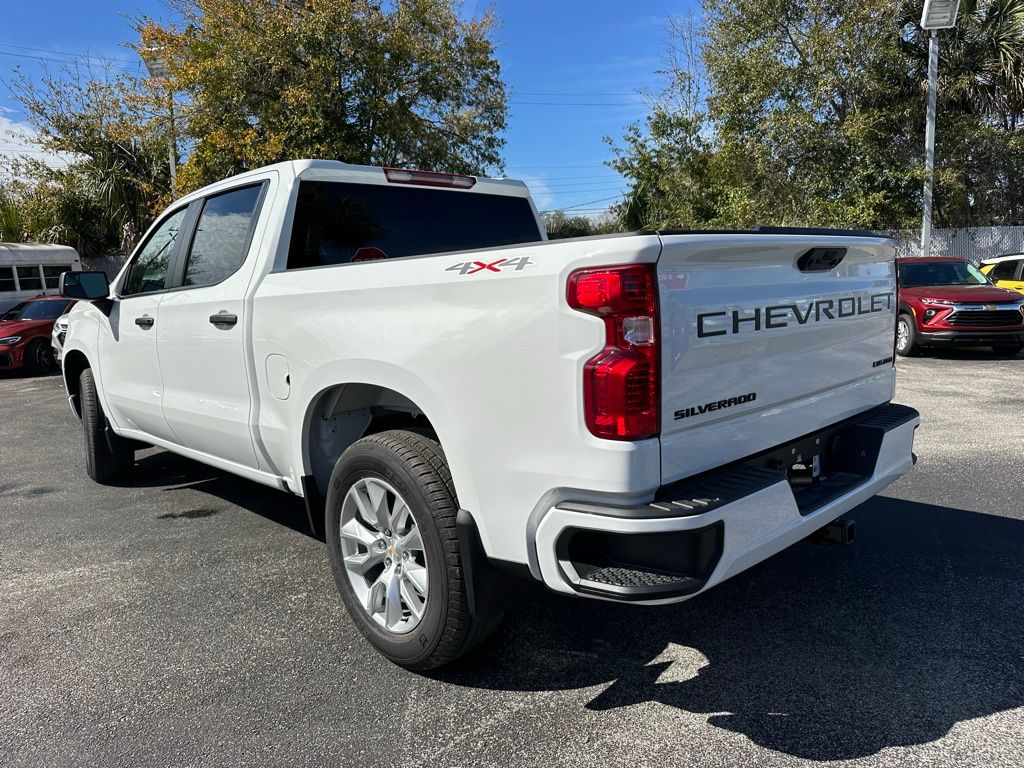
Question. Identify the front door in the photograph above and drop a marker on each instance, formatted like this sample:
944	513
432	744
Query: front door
202	348
1007	274
128	344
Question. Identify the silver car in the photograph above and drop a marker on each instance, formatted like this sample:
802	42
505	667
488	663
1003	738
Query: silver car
60	330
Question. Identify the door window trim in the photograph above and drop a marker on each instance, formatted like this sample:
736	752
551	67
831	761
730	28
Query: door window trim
176	270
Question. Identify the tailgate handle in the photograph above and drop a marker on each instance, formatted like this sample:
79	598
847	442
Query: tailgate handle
821	259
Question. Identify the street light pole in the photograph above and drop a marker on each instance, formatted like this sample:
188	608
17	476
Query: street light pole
156	65
172	149
929	142
937	14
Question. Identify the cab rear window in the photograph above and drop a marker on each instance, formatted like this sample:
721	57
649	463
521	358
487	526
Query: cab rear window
337	222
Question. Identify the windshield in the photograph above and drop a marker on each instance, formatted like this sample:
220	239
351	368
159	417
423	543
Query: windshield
37	310
940	273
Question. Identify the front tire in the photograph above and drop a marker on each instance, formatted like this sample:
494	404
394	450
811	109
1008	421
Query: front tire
39	358
107	456
394	549
906	336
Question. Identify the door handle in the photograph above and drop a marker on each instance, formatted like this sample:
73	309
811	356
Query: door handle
223	319
144	322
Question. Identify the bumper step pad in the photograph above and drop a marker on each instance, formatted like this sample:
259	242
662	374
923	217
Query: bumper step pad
630	581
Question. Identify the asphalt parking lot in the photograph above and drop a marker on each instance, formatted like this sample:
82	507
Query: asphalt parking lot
188	619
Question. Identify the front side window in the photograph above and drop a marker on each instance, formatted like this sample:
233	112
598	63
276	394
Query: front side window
1005	270
930	273
30	279
148	271
222	236
338	222
7	279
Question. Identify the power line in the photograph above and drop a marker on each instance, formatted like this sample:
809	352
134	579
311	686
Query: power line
57	61
577	103
582	189
65	53
568	93
572	165
594	185
604	176
580	205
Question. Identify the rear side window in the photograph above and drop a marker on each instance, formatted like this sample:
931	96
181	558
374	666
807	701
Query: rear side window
52	274
6	278
30	279
336	222
222	236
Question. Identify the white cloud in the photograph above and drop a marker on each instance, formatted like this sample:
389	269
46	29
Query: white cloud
17	142
541	193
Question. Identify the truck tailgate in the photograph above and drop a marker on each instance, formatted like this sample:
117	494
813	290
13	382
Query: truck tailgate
766	339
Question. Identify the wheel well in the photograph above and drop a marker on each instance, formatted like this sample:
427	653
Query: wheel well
345	413
74	363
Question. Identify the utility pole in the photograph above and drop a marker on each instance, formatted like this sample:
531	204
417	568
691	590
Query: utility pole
937	14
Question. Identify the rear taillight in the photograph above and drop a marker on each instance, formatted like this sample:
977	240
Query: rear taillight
620	383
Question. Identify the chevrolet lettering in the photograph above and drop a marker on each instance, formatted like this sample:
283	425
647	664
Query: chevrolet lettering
781	315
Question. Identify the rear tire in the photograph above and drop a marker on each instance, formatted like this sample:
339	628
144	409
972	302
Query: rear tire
382	488
906	336
107	456
39	357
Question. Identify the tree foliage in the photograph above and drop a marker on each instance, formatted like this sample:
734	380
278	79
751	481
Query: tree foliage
406	83
396	84
812	112
115	177
560	225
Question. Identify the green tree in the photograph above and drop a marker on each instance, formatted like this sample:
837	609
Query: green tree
812	112
115	177
362	81
980	136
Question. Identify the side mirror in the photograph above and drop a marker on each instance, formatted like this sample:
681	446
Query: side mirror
85	286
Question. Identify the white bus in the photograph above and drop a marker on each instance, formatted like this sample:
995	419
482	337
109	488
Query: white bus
31	269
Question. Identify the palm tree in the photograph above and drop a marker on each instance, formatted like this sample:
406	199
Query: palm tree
982	59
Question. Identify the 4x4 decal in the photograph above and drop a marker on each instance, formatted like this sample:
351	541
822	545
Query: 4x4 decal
500	265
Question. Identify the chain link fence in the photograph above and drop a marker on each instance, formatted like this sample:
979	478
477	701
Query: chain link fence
974	244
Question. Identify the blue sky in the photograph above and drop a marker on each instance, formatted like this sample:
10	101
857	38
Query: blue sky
574	69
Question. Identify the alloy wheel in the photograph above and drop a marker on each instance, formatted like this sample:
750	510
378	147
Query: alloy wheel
383	553
902	334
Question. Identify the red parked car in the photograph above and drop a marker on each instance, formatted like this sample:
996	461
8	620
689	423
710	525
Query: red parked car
25	333
946	300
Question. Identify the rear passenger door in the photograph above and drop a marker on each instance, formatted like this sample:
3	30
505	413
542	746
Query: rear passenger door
203	337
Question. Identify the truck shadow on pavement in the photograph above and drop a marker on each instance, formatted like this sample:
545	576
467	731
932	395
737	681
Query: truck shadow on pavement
166	470
824	654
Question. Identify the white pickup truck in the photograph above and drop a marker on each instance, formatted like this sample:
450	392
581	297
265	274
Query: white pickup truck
464	403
